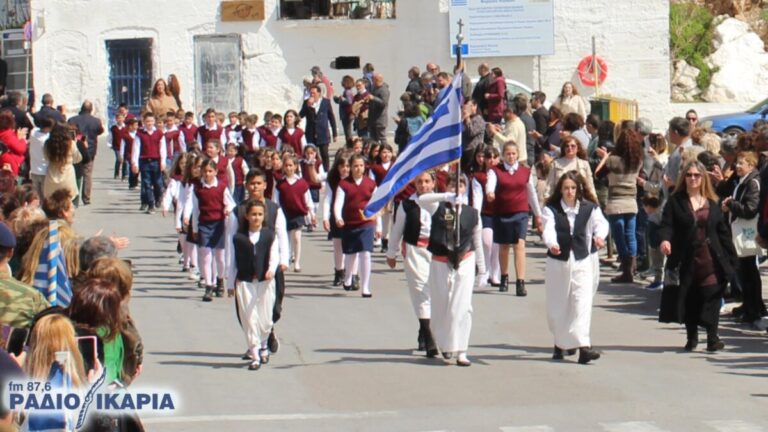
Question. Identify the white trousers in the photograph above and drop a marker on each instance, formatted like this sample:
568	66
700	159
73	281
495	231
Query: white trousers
450	294
570	290
255	301
416	263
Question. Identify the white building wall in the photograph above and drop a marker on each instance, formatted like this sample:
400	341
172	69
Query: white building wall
71	58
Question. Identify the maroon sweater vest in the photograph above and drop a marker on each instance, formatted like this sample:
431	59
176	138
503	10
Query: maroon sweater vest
292	197
208	134
117	136
190	133
511	190
127	141
237	167
250	140
210	202
293	141
379	172
172	142
355	199
221	169
405	193
150	144
305	173
269	137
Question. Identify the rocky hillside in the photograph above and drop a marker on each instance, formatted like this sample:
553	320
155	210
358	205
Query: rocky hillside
718	50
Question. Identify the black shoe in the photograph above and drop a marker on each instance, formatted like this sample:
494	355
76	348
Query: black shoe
367	295
432	353
504	284
356	283
493	284
338	277
691	345
570	352
420	340
520	288
447	355
247	355
254	365
716	345
557	354
586	355
384	245
273	343
348	287
143	207
208	296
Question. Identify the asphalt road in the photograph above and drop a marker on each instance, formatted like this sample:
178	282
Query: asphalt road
348	363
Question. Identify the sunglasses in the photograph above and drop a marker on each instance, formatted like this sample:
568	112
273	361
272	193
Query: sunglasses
692	119
692	175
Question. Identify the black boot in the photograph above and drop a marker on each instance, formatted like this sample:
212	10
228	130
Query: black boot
626	271
384	245
420	340
208	296
692	332
429	341
520	288
219	287
504	284
338	277
586	355
713	341
557	354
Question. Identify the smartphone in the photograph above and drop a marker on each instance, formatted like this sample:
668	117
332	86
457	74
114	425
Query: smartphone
16	341
88	349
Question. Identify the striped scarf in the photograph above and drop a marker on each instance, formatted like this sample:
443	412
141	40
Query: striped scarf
51	277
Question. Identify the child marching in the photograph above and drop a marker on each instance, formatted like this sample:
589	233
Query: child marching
148	157
292	193
339	171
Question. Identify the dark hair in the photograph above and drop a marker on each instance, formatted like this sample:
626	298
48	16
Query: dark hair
57	203
296	118
605	134
553	110
651	201
7	121
95	248
247	206
539	96
573	122
59	144
680	126
497	72
342	158
629	147
519	103
192	161
95	306
47	99
582	191
45	123
594	121
708	159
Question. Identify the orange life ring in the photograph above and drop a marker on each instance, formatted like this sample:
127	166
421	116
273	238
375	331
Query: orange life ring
587	75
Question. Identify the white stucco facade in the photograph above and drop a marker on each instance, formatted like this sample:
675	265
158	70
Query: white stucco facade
71	57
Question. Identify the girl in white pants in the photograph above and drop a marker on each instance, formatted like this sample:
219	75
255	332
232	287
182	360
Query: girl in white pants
256	258
574	229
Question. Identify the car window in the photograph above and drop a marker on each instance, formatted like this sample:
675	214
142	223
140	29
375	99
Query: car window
757	108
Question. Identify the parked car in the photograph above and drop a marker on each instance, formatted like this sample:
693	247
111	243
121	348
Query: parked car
736	123
513	88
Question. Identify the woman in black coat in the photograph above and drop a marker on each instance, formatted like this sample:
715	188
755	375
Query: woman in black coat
744	205
697	241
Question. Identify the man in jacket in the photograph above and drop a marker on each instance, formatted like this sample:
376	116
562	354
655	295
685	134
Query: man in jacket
319	117
91	128
481	88
48	111
378	101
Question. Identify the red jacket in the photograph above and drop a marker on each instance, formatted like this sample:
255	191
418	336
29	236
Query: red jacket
496	100
16	149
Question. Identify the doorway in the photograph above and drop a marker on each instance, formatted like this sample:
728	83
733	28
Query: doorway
130	73
218	62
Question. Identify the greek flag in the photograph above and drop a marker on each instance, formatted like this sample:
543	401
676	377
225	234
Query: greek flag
51	277
437	142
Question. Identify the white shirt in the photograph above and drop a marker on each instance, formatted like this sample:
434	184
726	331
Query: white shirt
136	149
533	199
597	225
396	233
37	161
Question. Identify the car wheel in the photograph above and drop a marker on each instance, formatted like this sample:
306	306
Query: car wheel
733	130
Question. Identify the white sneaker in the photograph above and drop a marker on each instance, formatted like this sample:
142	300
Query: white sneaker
761	324
194	275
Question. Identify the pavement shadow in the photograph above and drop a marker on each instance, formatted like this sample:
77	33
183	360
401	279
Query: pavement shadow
390	356
628	298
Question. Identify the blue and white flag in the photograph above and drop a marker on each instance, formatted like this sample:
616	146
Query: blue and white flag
51	277
438	142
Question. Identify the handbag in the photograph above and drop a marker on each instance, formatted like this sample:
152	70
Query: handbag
669	307
744	235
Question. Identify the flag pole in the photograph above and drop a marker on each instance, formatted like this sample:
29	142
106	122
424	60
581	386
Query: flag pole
459	69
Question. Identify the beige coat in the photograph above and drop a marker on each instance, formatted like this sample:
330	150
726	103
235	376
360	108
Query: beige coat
561	166
160	106
62	176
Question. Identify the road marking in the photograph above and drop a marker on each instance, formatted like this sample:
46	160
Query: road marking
267	417
526	429
631	427
733	426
